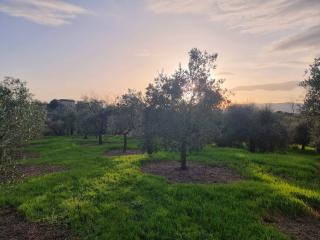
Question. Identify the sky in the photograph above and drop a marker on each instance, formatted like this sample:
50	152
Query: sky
71	49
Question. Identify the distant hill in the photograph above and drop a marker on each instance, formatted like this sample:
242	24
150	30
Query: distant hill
288	107
283	107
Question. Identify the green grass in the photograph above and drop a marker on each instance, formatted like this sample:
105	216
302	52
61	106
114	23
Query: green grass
109	198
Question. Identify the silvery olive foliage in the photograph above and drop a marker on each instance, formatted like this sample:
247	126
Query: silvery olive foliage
99	112
311	106
186	105
21	120
127	115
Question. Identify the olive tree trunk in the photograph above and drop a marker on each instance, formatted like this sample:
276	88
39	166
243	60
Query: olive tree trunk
252	145
183	155
100	138
125	143
318	148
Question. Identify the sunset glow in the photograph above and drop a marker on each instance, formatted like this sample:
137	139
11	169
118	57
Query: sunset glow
67	49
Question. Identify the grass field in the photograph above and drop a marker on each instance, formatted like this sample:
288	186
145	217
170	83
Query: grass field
102	197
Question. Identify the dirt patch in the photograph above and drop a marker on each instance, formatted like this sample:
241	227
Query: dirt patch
37	170
119	152
94	144
19	172
302	228
196	173
24	155
14	226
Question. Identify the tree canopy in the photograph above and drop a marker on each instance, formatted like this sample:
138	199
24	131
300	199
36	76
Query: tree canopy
311	106
186	103
128	114
21	119
312	85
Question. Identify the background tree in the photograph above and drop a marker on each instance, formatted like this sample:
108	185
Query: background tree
268	134
55	124
237	124
187	102
98	118
302	134
259	130
83	124
311	106
21	120
128	114
153	117
315	136
149	128
61	119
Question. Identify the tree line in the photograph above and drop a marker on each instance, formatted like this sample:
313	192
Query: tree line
183	112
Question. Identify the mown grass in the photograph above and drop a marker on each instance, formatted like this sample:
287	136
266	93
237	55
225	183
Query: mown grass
101	197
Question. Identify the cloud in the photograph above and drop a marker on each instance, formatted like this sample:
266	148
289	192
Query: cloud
248	16
304	40
255	16
274	63
178	6
51	13
284	86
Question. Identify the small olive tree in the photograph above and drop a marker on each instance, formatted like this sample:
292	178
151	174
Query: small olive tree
61	119
258	130
186	104
150	127
267	132
128	114
99	112
302	133
21	120
83	117
237	124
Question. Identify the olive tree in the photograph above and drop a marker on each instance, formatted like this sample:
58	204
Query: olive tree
128	114
83	117
21	119
311	106
237	126
258	130
149	128
61	119
267	132
302	134
99	112
312	85
187	103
